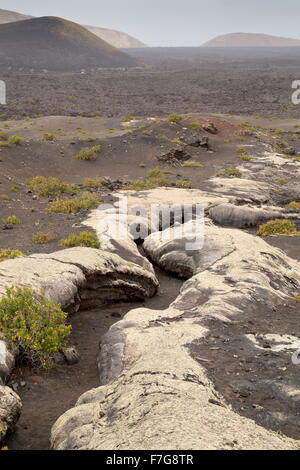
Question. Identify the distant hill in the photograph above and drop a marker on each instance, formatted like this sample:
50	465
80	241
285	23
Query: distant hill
56	44
115	38
251	40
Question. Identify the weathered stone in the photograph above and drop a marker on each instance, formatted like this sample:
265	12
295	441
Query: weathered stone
10	409
155	394
79	277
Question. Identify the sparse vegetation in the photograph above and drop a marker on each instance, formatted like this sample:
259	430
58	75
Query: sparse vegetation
195	126
84	239
176	118
48	136
177	142
278	226
245	158
230	173
84	201
33	325
155	178
15	140
192	165
89	139
281	181
241	150
293	206
4	197
41	238
184	184
6	254
92	183
12	220
49	187
89	153
3	135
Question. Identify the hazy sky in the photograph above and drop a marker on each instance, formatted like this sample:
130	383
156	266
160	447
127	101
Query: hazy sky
173	22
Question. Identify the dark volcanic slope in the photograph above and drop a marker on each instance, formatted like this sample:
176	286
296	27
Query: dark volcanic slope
57	45
251	40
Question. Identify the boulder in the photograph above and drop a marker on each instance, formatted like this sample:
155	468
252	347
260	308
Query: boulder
10	409
155	391
243	216
80	277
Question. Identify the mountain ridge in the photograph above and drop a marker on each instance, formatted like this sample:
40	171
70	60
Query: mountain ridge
56	44
251	40
118	39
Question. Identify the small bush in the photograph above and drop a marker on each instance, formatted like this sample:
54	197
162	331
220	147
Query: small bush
15	188
89	139
184	184
281	181
12	220
15	140
84	201
231	173
41	238
85	239
278	226
6	254
4	197
296	299
3	135
245	158
293	206
174	118
48	136
49	187
241	150
177	142
4	144
92	183
193	165
89	153
33	324
142	165
195	126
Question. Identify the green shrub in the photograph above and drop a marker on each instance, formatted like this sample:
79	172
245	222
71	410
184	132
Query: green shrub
245	158
231	172
89	153
296	299
84	201
195	126
6	254
41	238
4	144
193	165
3	135
49	187
241	150
174	118
184	184
15	188
92	183
293	206
85	239
278	226
12	220
4	197
281	181
33	324
48	136
89	139
14	139
177	142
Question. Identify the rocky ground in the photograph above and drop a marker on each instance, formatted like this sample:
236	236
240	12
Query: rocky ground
236	81
216	344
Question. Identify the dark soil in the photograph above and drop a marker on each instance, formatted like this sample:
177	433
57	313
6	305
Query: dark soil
236	81
256	382
47	395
